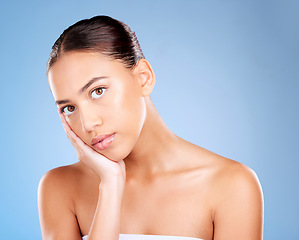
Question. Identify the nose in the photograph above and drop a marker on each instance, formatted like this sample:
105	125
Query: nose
89	119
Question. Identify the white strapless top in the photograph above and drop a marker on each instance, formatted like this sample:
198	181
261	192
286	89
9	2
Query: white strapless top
150	237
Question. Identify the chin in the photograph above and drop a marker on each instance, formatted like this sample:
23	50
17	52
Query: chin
117	152
113	156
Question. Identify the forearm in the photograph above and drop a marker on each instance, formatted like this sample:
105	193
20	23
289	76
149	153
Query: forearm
106	221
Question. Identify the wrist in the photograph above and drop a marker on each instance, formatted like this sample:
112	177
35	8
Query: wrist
111	191
112	183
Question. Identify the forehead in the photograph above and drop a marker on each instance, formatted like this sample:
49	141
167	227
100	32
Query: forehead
78	64
73	69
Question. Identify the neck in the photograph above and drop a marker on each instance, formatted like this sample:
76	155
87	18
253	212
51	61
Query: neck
154	149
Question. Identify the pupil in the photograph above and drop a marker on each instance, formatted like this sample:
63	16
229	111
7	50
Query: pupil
99	91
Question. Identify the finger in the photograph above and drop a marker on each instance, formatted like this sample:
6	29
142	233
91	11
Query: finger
123	166
75	140
67	127
64	122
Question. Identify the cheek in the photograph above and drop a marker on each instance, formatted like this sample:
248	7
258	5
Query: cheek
128	123
136	114
129	109
76	126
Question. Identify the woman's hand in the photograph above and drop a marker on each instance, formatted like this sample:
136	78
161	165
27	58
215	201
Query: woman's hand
106	220
105	168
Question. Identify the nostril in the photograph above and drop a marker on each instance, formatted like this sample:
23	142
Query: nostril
89	118
89	125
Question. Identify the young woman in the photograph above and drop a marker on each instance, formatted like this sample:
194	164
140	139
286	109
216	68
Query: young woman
135	179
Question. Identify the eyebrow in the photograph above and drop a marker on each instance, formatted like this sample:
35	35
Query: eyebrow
89	83
81	90
58	102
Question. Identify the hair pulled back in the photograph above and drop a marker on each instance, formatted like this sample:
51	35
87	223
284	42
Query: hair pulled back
101	34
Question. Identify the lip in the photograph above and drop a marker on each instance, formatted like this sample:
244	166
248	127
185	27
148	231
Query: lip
100	138
101	142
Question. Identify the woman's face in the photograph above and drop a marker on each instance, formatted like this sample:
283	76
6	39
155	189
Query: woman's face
100	98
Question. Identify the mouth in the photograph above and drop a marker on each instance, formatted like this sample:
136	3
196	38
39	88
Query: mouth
102	142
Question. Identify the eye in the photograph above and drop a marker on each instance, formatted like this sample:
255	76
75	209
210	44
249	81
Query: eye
68	110
98	92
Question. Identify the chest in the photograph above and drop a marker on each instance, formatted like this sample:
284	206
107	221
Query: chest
170	209
166	208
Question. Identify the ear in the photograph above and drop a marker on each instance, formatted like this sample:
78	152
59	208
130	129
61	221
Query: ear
146	77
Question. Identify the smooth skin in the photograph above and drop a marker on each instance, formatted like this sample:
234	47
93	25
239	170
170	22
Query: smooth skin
148	181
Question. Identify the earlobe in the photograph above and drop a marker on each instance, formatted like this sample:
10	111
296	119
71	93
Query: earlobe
146	76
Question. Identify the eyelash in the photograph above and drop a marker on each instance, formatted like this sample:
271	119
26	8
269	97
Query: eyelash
103	89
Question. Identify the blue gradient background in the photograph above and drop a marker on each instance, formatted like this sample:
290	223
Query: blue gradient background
227	80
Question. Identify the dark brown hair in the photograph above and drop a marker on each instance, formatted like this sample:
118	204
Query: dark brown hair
99	34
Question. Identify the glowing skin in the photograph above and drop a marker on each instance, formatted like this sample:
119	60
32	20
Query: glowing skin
112	104
154	178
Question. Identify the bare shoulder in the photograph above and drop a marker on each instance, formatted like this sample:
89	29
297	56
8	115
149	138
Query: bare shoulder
65	182
228	173
60	176
236	197
220	173
227	176
60	181
232	177
56	205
